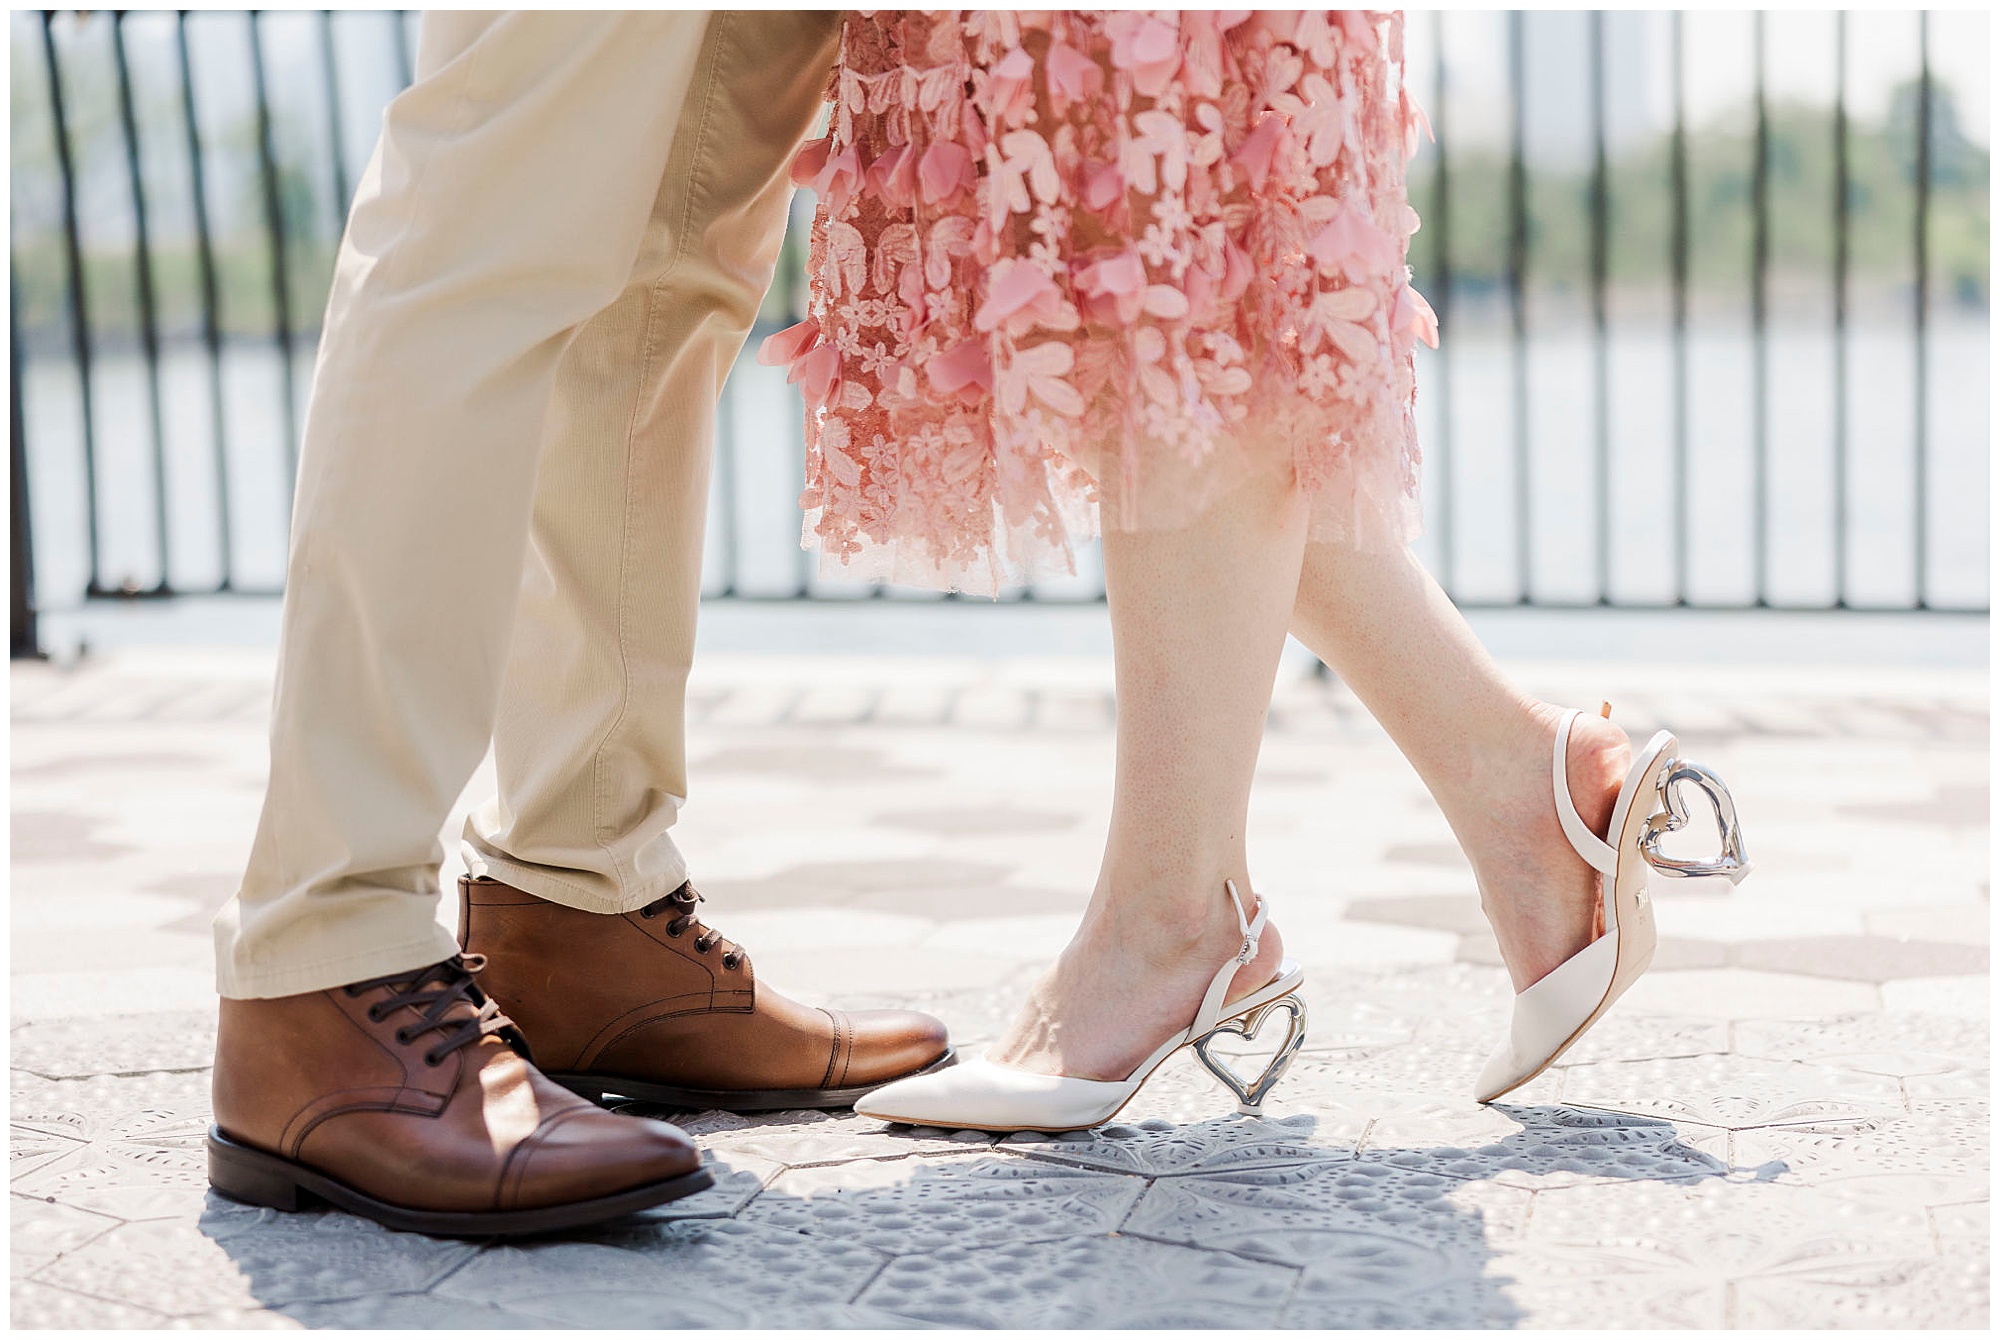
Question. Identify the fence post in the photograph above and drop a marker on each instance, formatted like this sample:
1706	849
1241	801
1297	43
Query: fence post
24	636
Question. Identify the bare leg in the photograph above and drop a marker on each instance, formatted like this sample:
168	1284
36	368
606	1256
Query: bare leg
1480	745
1198	620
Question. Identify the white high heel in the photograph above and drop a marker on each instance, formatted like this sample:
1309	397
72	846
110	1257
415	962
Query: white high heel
982	1095
1551	1014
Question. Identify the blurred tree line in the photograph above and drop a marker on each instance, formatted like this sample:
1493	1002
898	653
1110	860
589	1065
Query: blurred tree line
1801	168
1800	185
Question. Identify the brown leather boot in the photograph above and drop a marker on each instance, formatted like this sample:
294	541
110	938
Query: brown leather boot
655	1006
405	1099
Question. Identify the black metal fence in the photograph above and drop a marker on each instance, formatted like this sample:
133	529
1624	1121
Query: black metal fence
1612	309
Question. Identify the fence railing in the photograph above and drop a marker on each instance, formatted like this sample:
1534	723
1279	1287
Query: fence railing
1721	357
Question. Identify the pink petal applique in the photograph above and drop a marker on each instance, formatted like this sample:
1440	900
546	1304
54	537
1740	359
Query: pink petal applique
810	160
1353	242
1145	47
1166	302
964	365
1358	26
1414	316
1103	186
816	372
1259	148
1114	288
1119	274
784	346
1073	76
1017	288
1237	272
946	167
839	179
1011	88
893	176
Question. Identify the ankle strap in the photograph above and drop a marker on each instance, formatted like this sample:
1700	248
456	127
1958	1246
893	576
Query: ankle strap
1252	928
1592	848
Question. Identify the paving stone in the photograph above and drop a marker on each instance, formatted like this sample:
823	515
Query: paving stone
1738	993
1536	1147
960	822
1863	958
1622	1035
1896	1043
1376	1281
40	1231
1746	914
1571	1288
1082	1283
126	1044
805	1139
1957	925
106	1160
171	1267
1680	1251
1156	1148
706	1273
1935	1155
1732	1091
237	1319
1672	954
1276	1214
1899	1295
41	1307
1968	997
1773	1139
913	1204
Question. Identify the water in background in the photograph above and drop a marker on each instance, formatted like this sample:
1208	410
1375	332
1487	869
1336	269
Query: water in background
753	533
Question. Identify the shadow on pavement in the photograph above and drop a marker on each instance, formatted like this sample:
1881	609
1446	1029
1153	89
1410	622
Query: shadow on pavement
1232	1222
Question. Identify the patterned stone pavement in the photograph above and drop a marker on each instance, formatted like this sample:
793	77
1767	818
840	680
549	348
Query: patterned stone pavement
1785	1123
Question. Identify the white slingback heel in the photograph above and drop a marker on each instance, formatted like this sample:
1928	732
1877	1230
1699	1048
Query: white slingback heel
1551	1014
982	1095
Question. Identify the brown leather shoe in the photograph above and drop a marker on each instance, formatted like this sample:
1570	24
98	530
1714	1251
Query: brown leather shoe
655	1006
405	1099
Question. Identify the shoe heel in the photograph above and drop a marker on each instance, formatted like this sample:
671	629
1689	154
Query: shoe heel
1250	1095
247	1176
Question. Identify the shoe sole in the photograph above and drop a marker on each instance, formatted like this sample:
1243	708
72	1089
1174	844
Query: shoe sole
1635	951
603	1088
257	1178
1250	1004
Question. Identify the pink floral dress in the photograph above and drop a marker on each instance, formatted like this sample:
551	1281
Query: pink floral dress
1074	270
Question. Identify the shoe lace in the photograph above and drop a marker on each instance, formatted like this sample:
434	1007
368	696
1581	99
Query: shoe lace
682	902
438	990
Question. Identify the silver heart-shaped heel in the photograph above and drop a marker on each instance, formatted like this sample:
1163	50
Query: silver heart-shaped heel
1731	862
1250	1097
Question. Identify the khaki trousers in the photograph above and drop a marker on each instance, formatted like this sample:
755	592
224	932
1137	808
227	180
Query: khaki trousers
555	254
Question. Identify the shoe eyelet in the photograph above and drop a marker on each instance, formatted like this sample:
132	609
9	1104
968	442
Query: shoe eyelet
376	1014
353	992
647	914
731	962
433	1060
673	934
402	1037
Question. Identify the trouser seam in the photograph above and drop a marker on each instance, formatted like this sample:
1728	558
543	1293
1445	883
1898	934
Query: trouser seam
369	338
712	40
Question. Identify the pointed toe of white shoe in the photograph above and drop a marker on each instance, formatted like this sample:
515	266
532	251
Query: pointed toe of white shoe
1548	1016
979	1095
